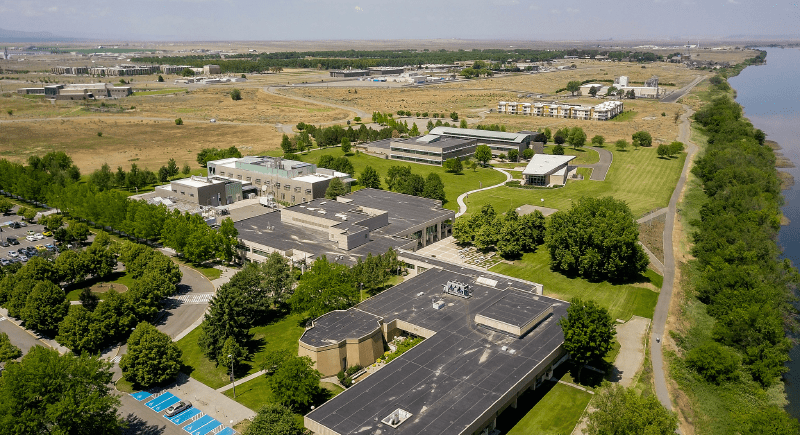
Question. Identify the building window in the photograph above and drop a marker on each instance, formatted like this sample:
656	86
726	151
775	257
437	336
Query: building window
297	189
239	177
278	185
258	181
292	198
183	193
304	200
283	196
248	178
191	194
308	191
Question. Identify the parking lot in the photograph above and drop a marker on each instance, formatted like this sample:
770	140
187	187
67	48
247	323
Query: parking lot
20	234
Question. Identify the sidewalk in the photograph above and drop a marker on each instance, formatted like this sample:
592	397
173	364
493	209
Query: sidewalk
462	207
219	406
241	381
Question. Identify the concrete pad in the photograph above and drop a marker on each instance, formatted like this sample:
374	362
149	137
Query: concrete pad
210	401
631	353
528	209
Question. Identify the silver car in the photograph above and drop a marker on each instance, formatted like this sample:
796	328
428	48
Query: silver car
178	408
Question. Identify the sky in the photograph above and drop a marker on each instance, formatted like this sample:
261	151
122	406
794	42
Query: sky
272	20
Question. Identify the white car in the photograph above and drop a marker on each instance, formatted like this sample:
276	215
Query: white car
23	258
12	254
39	236
31	238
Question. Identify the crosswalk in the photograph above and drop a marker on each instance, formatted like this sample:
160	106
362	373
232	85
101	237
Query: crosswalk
116	359
2	318
193	298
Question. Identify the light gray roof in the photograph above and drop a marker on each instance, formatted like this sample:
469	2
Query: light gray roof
480	134
543	164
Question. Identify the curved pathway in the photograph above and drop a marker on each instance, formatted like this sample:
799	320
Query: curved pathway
664	298
462	207
600	169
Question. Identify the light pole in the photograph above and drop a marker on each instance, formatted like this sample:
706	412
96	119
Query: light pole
233	380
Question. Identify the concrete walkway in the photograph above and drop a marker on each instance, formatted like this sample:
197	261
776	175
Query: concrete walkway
665	297
630	359
599	169
219	406
462	207
242	381
651	216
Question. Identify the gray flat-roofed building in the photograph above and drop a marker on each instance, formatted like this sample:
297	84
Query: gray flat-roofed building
464	374
349	73
500	142
431	149
208	191
386	70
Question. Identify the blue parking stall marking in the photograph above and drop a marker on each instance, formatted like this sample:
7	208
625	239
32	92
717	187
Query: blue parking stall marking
159	399
166	404
141	395
226	431
207	428
197	424
184	416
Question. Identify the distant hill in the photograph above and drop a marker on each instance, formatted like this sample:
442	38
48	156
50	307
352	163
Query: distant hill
21	36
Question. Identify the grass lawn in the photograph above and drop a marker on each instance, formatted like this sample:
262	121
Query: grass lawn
584	156
284	333
622	301
627	115
636	176
124	386
454	184
550	409
119	278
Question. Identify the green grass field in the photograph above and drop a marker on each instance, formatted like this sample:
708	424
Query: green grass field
627	115
454	185
636	176
550	409
584	156
115	278
284	333
622	301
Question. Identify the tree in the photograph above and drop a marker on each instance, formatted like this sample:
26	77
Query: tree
114	316
178	121
714	362
527	153
346	145
187	72
770	420
45	306
160	79
622	411
278	279
286	145
588	332
5	206
434	188
88	299
172	168
236	95
573	86
596	239
227	239
152	357
79	231
79	332
71	266
370	178
472	165
593	90
558	150
324	287
548	134
274	419
559	139
513	155
454	116
463	123
49	393
226	317
335	188
598	140
663	150
8	351
232	353
453	165
186	169
642	138
675	148
163	174
295	382
621	144
483	154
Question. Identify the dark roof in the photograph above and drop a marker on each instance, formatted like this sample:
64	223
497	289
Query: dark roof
456	376
405	211
515	309
440	142
336	326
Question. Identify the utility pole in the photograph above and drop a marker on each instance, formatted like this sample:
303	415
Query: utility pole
233	379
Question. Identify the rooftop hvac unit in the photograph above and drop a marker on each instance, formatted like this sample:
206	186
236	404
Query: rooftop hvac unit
456	288
438	305
395	418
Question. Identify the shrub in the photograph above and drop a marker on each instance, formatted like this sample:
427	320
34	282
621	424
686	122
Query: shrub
99	134
558	150
714	362
178	121
236	95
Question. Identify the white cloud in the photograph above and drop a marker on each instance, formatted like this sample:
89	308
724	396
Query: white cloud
555	11
358	9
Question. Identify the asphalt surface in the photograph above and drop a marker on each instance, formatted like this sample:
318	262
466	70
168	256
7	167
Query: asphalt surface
19	337
143	420
181	315
664	298
600	169
675	96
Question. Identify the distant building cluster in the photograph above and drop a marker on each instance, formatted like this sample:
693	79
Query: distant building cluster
86	91
601	112
649	90
122	70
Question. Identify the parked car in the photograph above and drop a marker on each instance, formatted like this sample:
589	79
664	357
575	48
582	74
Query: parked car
23	258
4	262
49	247
4	244
47	233
12	240
178	408
31	238
40	248
22	251
39	236
30	232
12	254
31	251
22	224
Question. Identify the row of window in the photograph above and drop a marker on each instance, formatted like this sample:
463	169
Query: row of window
415	159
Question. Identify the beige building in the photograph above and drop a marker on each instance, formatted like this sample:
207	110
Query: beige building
547	170
208	191
342	339
211	69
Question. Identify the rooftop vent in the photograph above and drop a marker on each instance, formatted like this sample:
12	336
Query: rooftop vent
456	288
397	417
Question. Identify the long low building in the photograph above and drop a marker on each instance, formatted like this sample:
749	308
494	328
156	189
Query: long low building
500	142
431	149
600	112
488	339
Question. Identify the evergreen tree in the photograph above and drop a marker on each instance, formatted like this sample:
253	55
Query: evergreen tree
226	317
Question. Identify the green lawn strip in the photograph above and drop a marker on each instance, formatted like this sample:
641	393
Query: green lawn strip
124	386
622	301
281	334
115	278
584	156
550	409
209	272
636	176
627	115
454	184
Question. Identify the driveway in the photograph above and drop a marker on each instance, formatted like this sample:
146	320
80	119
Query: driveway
19	337
599	169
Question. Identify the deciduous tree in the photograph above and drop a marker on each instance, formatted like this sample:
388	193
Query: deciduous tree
295	382
79	332
325	287
45	306
483	154
642	138
8	351
335	188
274	419
152	357
434	188
588	332
370	178
622	411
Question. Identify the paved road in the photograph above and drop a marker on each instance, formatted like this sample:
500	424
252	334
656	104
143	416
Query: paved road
600	169
182	315
675	96
664	298
20	337
462	207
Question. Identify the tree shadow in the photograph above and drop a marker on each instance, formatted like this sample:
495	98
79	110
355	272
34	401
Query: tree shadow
525	403
137	426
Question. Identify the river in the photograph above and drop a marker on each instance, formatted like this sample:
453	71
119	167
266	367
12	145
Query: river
770	96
